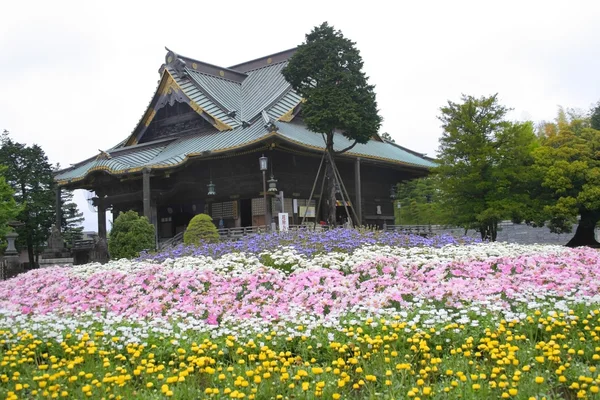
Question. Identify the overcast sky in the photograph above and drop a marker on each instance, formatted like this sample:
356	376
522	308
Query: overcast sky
77	76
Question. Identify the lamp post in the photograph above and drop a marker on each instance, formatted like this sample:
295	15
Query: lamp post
263	164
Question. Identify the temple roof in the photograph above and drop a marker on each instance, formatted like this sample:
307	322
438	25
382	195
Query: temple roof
245	104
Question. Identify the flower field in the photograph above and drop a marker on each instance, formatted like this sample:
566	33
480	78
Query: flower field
334	315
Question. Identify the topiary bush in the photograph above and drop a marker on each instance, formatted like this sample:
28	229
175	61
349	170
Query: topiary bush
200	229
129	235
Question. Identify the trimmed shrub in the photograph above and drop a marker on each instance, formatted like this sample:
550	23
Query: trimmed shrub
200	229
129	235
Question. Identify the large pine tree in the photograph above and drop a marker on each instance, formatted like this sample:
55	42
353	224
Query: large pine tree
326	71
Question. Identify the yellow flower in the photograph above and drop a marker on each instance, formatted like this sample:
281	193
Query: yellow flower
539	379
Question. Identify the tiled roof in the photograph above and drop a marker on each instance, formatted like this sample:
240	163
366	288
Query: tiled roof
234	100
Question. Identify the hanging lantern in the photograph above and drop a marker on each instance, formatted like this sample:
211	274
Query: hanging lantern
393	192
272	185
262	162
211	189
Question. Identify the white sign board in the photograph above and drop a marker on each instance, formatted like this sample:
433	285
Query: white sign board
283	222
309	211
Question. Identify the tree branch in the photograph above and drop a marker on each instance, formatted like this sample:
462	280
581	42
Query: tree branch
347	148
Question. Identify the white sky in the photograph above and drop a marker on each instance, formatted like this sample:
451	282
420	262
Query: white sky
76	76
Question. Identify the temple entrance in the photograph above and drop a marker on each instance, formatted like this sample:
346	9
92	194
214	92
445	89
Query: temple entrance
246	212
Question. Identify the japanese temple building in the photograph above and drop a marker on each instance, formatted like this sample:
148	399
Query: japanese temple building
197	148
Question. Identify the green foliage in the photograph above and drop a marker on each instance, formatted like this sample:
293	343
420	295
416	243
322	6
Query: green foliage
568	164
71	219
29	174
421	203
484	165
8	206
595	117
200	229
326	71
130	234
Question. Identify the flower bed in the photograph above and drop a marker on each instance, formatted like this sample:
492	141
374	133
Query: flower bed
373	320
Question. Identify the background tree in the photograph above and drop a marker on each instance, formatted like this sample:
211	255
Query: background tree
484	164
8	206
568	164
71	220
421	202
326	71
130	234
29	173
595	117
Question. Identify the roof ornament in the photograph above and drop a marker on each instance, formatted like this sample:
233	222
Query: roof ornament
245	124
172	59
266	116
103	155
269	124
232	113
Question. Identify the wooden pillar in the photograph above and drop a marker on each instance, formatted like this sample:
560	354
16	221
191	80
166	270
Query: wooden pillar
101	219
146	193
101	249
358	190
58	208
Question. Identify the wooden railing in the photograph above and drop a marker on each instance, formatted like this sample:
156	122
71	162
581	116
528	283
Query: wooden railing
414	229
172	242
236	233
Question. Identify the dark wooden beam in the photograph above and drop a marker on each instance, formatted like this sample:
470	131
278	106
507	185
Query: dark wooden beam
146	193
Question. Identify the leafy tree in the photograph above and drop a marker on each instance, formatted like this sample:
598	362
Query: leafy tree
29	173
130	234
568	164
595	117
421	202
484	165
326	71
200	229
8	206
71	219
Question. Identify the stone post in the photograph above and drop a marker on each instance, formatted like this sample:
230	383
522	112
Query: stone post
11	258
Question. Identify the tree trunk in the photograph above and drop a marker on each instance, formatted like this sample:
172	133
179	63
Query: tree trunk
30	251
330	176
585	235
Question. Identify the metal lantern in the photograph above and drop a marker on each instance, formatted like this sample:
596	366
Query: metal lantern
263	162
211	189
272	185
393	192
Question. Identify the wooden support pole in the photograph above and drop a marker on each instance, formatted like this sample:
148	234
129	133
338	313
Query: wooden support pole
357	190
312	191
146	193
